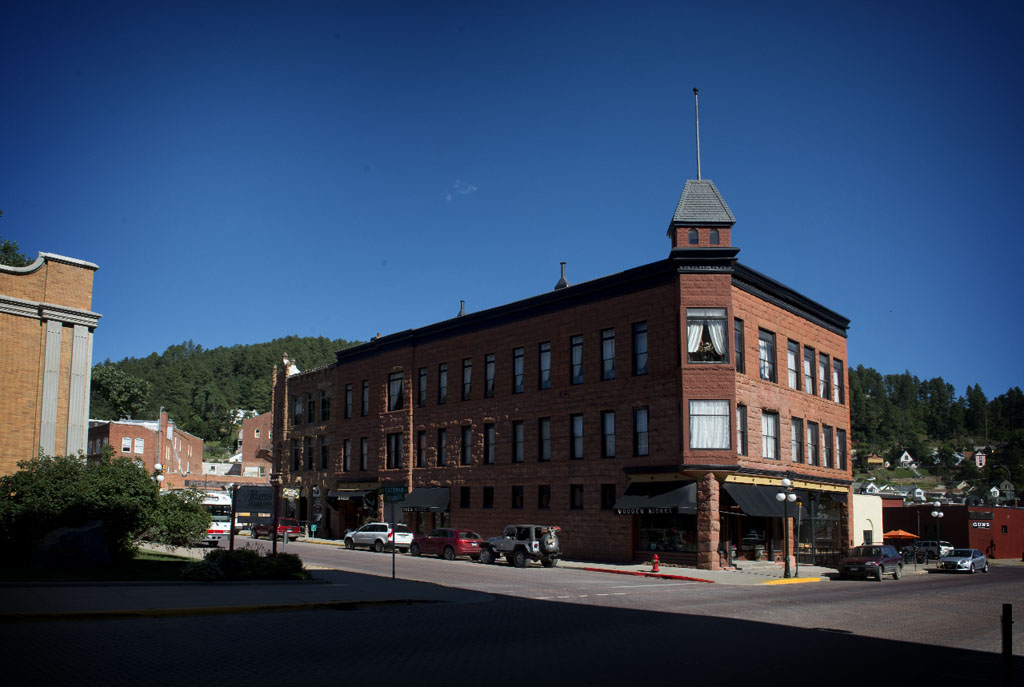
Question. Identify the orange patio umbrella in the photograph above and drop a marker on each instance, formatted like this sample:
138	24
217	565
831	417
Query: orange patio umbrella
899	534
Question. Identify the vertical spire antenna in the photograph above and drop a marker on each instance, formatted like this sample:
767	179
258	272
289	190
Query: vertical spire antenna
696	116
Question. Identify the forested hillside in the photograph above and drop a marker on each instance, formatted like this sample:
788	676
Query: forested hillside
902	412
893	413
201	389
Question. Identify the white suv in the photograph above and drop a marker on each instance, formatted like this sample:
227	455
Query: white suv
933	549
379	536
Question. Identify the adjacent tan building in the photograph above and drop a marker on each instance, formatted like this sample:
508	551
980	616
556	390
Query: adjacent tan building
46	331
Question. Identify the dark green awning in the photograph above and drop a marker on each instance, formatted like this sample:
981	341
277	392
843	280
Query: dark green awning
426	500
658	497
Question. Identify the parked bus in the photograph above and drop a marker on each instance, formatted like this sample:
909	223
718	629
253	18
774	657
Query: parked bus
218	505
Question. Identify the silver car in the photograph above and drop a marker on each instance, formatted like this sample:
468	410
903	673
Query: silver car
379	536
964	560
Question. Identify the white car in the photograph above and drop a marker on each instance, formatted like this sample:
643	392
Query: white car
380	536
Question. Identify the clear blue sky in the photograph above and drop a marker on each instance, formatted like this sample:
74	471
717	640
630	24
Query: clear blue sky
242	171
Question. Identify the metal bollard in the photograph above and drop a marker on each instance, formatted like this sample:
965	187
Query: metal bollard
1007	644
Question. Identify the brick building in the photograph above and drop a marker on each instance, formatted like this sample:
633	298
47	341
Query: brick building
46	330
995	530
150	441
653	410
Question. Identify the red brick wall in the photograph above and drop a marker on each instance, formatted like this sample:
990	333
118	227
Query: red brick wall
251	443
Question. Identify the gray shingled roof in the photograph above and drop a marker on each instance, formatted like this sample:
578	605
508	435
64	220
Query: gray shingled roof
702	204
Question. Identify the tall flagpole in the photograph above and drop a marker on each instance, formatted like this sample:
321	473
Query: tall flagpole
696	113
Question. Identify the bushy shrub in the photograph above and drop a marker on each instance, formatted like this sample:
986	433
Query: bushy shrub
68	491
179	519
245	564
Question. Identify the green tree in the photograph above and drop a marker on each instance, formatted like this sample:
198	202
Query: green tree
10	254
976	416
66	491
945	462
117	395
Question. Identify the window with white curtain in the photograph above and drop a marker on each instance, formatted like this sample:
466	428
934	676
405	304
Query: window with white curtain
709	424
838	393
706	340
824	386
766	354
809	386
793	361
769	435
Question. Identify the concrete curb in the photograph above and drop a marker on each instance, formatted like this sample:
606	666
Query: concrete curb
640	573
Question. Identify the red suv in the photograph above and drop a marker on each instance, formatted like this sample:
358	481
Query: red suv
286	527
447	543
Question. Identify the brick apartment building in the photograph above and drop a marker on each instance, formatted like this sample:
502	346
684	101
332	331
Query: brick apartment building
46	330
653	410
254	439
179	453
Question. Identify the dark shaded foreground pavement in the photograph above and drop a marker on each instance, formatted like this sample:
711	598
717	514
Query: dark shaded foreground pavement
329	589
443	637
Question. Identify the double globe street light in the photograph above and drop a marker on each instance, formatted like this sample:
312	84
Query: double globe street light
786	497
937	514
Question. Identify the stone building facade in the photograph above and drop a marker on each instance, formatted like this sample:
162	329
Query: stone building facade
653	410
46	331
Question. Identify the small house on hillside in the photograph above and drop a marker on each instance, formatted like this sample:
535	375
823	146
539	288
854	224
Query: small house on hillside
906	460
875	460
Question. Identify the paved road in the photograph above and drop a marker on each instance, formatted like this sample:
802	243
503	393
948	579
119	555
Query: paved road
501	625
957	611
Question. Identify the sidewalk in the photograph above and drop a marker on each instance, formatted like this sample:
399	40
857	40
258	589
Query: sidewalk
746	573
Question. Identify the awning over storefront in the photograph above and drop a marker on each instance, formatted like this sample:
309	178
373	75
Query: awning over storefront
658	497
760	501
426	500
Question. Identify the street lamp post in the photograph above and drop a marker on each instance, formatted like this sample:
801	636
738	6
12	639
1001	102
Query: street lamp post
937	514
786	497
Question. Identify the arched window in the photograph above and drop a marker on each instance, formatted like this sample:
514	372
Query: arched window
693	237
713	237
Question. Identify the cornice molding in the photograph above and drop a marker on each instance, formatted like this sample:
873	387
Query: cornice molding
48	257
48	311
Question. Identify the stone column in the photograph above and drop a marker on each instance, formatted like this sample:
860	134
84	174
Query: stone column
708	523
846	535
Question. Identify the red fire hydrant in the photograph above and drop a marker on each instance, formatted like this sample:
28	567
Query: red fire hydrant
655	564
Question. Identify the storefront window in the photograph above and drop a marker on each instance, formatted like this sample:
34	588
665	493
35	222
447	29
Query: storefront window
667	532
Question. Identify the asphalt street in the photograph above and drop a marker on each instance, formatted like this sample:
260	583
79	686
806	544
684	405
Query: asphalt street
502	625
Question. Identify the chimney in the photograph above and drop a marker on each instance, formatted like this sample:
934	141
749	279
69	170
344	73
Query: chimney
562	283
